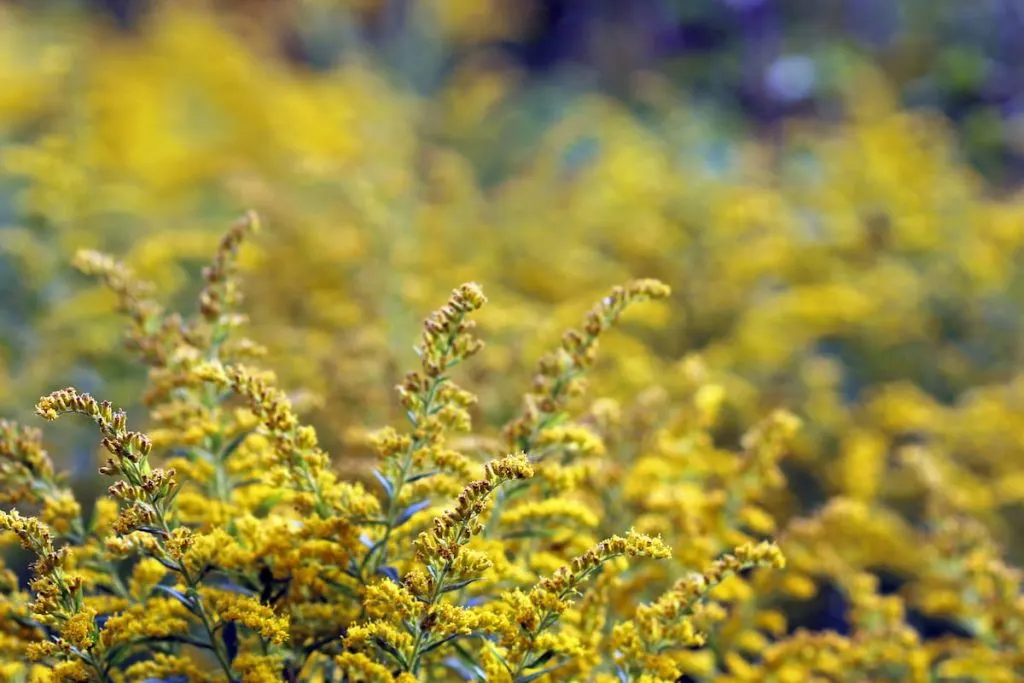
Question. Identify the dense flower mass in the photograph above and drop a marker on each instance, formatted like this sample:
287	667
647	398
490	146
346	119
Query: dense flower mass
792	453
261	561
295	573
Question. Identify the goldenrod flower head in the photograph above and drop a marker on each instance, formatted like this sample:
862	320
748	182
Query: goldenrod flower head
220	290
558	377
251	613
22	461
446	332
456	526
32	533
80	629
386	598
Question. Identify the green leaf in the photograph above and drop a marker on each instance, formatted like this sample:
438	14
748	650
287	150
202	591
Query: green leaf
235	442
411	510
389	488
392	650
230	637
433	646
458	585
177	595
268	503
540	659
422	475
537	674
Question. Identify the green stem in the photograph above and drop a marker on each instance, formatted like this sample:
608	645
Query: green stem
376	559
101	671
200	608
221	480
551	617
435	594
204	617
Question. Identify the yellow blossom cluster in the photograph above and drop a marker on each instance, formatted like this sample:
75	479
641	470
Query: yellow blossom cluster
319	577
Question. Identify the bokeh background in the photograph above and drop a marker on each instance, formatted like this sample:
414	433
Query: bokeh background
831	188
752	61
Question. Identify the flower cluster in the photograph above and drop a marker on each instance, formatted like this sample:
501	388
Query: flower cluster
311	575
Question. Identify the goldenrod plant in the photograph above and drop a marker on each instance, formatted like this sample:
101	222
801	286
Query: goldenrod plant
582	540
230	548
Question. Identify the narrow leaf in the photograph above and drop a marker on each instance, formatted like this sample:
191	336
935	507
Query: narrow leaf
537	674
234	588
467	674
389	488
153	531
540	659
268	503
457	585
447	639
391	650
421	475
390	572
353	570
177	595
408	512
230	635
233	445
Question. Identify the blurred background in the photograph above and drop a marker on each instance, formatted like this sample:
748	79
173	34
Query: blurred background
831	188
754	62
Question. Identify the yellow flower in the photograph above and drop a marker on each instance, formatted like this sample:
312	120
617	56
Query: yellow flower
80	629
361	668
258	668
251	613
